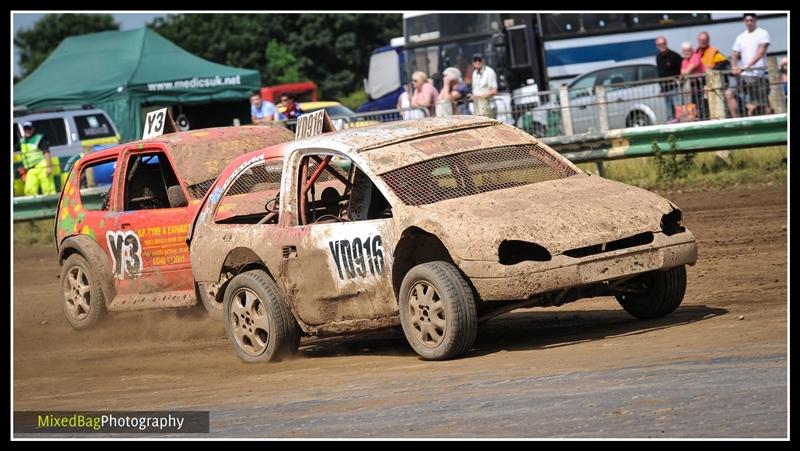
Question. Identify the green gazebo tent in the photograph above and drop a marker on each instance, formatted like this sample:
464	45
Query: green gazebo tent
122	71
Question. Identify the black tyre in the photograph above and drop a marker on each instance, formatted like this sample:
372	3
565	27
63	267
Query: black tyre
214	308
83	301
259	324
437	311
638	119
664	293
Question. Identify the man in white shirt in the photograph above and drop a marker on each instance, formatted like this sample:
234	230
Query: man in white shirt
750	51
484	86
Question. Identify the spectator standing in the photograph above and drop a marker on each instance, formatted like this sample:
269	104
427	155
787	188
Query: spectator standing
424	93
484	86
714	59
691	68
262	111
461	94
35	151
668	65
785	74
711	57
449	95
749	63
404	105
291	108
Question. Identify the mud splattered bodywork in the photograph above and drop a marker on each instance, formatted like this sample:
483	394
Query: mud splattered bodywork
520	221
135	242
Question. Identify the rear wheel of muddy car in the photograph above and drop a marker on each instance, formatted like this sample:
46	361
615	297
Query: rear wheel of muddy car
83	301
437	311
661	292
259	324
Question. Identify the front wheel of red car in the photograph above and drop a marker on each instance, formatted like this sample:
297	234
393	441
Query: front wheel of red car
84	304
259	324
437	311
661	292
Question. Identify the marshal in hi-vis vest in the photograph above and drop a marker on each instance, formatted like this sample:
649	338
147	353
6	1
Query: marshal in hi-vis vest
31	153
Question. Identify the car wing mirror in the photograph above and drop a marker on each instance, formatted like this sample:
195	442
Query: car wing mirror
176	197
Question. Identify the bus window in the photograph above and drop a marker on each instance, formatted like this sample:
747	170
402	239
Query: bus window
557	25
659	20
603	22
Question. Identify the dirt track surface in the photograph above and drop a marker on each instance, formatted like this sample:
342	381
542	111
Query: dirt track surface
586	369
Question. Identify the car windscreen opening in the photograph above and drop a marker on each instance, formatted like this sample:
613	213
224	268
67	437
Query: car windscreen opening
474	172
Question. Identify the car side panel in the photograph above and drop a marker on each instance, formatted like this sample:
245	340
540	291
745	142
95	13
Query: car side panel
338	272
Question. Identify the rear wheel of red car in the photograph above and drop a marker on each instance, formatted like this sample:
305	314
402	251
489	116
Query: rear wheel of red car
437	311
259	324
662	293
83	301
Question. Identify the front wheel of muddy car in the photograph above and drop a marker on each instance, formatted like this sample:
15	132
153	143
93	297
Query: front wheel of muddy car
259	324
437	311
659	293
84	304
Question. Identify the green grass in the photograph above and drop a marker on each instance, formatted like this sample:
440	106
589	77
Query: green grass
758	166
34	232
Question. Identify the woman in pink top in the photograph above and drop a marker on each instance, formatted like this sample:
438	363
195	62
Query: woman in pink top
694	97
424	93
692	61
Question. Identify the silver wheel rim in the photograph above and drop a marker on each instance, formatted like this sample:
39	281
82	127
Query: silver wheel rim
426	310
249	322
77	293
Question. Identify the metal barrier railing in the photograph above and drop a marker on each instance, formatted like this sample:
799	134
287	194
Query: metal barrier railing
713	95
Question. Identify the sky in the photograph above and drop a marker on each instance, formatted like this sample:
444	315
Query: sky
126	21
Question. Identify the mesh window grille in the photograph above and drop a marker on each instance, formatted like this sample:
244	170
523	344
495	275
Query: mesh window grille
261	177
198	190
475	172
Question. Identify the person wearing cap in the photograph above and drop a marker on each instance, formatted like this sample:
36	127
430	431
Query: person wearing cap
749	62
35	151
484	86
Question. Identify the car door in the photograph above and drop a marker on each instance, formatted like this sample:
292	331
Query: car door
147	242
336	259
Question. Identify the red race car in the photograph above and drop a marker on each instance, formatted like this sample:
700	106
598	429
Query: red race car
123	216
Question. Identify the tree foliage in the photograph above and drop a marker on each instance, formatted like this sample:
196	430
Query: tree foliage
35	44
281	66
332	50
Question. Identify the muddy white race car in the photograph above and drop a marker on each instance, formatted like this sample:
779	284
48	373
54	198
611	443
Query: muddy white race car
435	224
